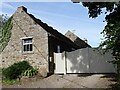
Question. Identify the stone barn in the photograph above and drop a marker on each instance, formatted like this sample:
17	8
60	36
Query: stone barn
34	41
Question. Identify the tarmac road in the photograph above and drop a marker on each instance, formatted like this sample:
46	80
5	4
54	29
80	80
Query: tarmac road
69	81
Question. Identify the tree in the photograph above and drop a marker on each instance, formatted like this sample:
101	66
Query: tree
5	31
112	29
3	19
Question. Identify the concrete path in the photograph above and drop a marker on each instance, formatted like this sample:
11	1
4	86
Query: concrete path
68	81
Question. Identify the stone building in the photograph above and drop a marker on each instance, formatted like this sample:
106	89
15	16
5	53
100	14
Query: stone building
34	41
79	42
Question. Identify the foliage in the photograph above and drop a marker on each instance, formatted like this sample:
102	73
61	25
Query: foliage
15	70
30	72
3	19
96	8
112	29
10	82
116	86
5	34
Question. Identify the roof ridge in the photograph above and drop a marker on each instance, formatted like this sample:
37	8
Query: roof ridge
52	31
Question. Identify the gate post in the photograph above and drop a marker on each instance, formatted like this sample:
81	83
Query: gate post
65	63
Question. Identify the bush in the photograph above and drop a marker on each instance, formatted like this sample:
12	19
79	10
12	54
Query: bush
30	72
15	70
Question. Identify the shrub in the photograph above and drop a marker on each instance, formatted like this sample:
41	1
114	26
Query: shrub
30	72
15	70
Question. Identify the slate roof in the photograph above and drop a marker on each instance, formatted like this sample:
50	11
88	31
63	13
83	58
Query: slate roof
74	38
53	32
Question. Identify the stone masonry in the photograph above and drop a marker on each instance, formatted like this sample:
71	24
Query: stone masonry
25	26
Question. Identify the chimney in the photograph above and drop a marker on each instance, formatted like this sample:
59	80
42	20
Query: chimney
21	9
85	40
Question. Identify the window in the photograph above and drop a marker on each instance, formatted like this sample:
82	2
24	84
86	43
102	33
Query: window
72	48
27	44
58	48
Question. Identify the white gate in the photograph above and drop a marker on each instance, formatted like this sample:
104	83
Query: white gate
59	59
99	62
77	61
86	60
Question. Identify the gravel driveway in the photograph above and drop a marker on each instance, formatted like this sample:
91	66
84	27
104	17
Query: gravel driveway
69	81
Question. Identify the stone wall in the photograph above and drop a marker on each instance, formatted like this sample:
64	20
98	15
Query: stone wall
25	26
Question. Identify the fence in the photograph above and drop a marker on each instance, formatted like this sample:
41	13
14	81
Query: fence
86	60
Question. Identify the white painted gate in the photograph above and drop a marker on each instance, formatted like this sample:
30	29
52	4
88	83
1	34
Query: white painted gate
59	59
87	60
77	61
99	62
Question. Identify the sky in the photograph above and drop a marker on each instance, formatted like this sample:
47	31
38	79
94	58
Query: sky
62	16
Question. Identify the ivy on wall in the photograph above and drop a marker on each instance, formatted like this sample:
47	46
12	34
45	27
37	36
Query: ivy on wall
5	34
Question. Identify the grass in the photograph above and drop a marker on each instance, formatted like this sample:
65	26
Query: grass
7	81
10	82
116	86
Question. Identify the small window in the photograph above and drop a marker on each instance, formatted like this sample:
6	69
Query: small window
73	49
27	44
58	48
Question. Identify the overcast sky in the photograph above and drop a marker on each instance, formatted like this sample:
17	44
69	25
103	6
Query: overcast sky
63	16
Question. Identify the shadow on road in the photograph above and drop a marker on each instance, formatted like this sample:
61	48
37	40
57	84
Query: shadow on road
113	78
84	75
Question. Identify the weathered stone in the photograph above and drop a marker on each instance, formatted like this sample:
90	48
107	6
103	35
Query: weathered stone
79	42
45	41
25	26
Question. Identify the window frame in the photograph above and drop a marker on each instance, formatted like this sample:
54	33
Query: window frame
25	44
